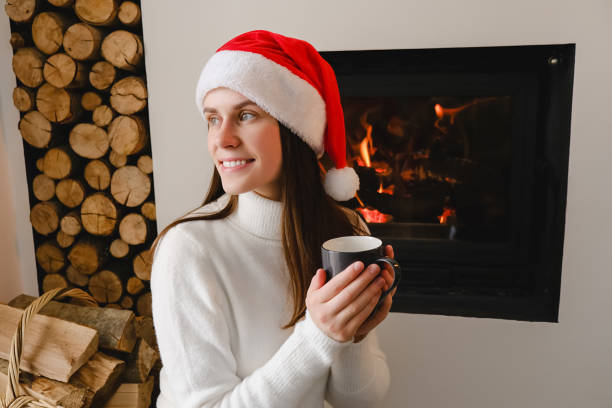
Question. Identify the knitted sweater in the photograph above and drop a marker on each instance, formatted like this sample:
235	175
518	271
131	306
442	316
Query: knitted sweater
220	296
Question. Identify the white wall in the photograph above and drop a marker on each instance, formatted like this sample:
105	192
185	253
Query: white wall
436	361
17	265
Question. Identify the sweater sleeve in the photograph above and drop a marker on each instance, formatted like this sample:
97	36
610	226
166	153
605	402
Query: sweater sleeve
359	376
191	324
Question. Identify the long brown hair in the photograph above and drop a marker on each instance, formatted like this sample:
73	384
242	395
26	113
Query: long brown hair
309	218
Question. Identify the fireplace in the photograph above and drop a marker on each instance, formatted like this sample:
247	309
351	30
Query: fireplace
462	155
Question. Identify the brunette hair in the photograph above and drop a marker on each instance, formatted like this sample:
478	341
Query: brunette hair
309	218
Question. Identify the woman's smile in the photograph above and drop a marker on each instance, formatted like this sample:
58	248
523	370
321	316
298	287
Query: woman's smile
231	165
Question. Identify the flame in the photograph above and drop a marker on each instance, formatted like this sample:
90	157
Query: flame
374	216
365	154
380	188
448	212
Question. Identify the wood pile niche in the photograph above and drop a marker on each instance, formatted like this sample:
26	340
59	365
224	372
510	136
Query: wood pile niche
82	95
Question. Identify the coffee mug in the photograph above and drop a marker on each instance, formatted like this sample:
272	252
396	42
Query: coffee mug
339	253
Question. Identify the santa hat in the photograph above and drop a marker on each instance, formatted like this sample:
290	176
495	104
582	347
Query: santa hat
290	80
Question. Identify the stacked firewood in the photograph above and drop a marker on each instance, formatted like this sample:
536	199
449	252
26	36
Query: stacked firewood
82	94
81	356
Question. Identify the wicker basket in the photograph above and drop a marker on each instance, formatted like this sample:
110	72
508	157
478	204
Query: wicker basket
13	397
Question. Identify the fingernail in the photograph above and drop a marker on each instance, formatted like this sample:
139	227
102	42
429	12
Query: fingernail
358	265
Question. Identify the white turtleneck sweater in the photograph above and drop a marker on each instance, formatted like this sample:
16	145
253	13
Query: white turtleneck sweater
220	296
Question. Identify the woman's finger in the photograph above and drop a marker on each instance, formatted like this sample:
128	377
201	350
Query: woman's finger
340	281
363	300
353	289
389	251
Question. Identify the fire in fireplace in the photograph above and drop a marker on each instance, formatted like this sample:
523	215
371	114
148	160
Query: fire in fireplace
462	156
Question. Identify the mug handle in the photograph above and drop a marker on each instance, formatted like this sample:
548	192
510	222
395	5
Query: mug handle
397	274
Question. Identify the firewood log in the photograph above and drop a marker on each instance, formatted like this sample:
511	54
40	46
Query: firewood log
59	162
23	98
21	11
146	330
28	66
127	134
45	217
105	286
142	265
40	163
117	159
58	104
119	248
36	129
61	71
52	347
102	75
61	3
50	257
99	214
134	286
70	192
132	395
71	223
43	187
135	229
17	41
123	49
103	115
52	281
90	101
101	375
129	13
140	363
97	12
87	255
89	141
129	95
143	305
127	302
97	174
75	277
148	210
82	42
130	186
116	328
64	240
52	392
48	31
145	163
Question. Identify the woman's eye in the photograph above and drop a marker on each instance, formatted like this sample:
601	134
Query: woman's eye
246	116
213	120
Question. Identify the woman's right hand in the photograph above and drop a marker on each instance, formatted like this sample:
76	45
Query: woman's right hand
340	307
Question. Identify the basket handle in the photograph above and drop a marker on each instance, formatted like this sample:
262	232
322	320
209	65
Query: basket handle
11	399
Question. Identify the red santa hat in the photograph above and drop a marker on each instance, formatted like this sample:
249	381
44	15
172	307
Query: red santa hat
290	80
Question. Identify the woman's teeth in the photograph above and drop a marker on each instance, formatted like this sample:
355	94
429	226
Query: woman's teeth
234	163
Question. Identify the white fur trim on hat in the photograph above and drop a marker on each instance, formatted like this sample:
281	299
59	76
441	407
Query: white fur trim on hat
341	184
277	90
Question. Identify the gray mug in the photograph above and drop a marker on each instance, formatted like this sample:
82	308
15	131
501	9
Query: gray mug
339	253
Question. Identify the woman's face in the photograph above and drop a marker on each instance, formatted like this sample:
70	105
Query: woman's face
244	142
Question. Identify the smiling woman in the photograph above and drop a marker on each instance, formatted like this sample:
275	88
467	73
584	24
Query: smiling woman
244	142
240	278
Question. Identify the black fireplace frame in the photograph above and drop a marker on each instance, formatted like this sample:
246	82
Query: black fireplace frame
519	279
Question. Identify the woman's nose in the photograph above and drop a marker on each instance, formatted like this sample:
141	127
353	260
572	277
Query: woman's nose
226	136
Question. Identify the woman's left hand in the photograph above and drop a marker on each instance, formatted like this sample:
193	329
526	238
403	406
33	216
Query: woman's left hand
384	308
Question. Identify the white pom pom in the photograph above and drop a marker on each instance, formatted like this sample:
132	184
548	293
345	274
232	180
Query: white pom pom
341	184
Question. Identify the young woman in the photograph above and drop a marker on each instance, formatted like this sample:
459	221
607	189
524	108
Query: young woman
242	312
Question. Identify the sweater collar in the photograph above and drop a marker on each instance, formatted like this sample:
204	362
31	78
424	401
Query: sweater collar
259	215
